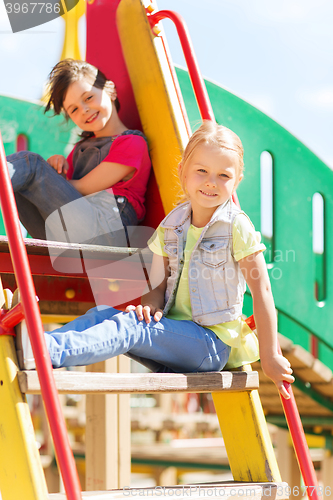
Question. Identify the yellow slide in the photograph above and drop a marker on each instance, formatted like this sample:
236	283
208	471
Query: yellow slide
162	115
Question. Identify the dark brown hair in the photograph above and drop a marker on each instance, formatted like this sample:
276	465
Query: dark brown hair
69	71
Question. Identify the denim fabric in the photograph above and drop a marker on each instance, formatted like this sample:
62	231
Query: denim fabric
215	280
168	345
43	195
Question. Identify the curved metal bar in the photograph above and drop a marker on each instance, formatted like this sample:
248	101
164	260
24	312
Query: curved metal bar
198	83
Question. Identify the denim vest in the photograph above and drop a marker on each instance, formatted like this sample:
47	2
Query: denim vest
215	280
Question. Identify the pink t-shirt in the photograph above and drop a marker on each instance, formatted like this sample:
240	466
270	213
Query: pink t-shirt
130	150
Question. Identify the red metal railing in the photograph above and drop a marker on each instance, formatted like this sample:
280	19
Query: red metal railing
206	111
198	83
297	435
23	276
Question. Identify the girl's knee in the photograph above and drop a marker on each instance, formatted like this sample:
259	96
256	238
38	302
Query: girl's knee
27	155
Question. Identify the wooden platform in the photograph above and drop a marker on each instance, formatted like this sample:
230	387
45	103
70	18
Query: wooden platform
234	490
71	382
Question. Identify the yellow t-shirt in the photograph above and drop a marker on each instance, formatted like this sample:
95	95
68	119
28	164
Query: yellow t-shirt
236	334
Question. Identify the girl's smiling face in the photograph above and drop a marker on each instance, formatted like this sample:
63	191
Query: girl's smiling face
211	177
88	107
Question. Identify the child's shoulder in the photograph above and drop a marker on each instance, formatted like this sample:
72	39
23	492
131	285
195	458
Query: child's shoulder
177	216
129	134
242	220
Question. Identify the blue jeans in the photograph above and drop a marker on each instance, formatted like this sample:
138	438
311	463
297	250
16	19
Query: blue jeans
165	346
51	208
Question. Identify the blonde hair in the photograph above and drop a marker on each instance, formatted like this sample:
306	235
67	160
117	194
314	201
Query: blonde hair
216	135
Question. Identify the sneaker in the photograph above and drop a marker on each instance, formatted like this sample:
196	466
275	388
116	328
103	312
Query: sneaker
25	357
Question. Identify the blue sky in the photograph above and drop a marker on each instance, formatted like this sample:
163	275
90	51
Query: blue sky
276	54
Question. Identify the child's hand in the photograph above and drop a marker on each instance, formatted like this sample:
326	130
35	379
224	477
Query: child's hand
59	163
278	369
145	312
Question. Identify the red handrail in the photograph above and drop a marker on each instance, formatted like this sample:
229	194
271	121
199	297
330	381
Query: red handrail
23	277
297	434
198	83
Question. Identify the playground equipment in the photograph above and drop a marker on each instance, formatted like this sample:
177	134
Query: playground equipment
256	461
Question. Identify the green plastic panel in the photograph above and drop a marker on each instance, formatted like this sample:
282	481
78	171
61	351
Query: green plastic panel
45	134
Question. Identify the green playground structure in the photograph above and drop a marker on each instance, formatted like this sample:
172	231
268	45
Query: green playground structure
302	291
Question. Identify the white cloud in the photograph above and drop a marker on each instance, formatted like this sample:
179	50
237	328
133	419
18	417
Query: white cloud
321	98
294	11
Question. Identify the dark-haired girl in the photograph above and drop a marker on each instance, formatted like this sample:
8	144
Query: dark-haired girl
101	185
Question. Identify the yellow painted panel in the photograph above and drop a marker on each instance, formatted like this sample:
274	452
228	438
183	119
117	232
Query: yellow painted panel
57	318
155	95
71	46
247	440
21	473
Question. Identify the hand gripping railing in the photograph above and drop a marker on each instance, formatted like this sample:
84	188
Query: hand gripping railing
206	111
23	277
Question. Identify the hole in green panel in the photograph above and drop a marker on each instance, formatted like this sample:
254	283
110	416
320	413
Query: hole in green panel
318	247
21	143
266	203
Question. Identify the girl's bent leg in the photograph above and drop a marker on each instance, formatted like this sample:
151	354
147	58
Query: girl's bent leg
30	217
68	216
39	183
102	333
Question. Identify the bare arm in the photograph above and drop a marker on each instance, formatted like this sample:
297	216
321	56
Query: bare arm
104	176
274	365
152	301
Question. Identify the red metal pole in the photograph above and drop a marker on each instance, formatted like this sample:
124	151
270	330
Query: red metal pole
36	333
299	441
297	435
199	87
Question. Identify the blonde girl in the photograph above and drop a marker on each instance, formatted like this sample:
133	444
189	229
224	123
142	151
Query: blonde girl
204	253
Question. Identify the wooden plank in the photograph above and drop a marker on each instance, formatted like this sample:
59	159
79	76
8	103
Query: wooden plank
300	357
226	490
288	464
108	432
70	382
192	453
326	389
124	428
318	373
54	248
285	343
